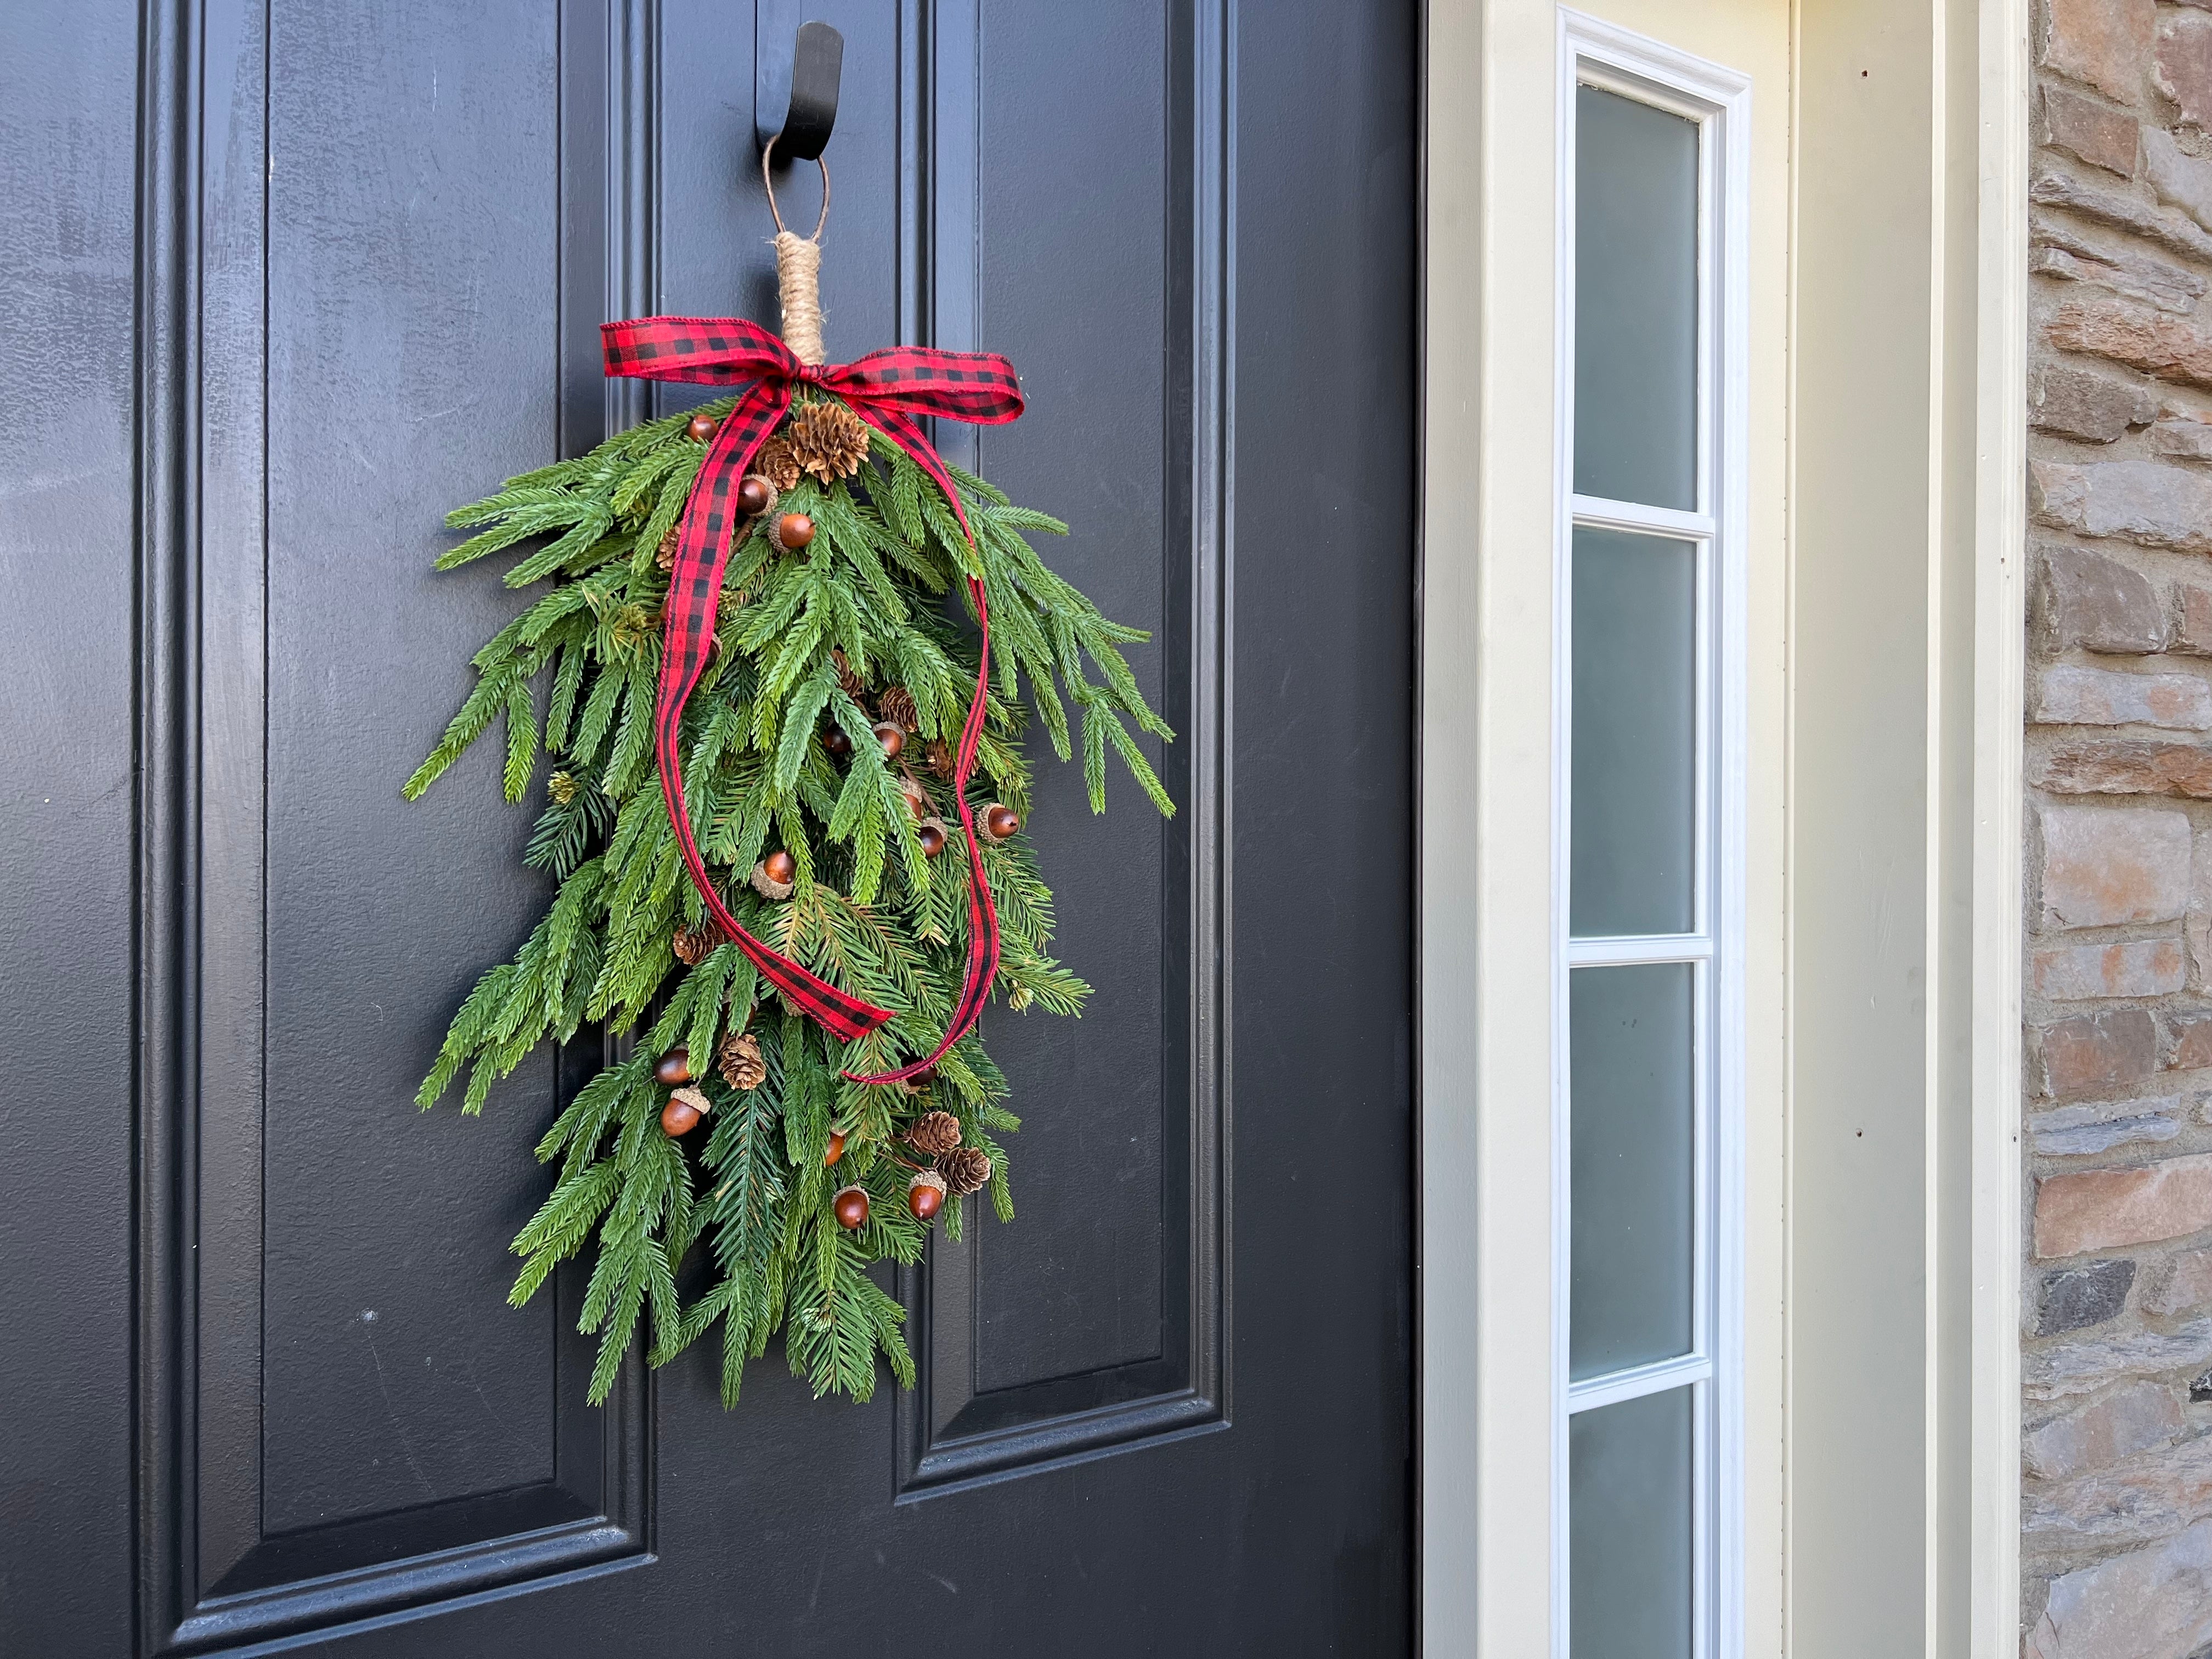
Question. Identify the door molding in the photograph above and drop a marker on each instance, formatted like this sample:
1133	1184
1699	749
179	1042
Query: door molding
210	1572
952	1435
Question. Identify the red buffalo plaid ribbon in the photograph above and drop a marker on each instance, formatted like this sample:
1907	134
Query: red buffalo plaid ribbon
887	389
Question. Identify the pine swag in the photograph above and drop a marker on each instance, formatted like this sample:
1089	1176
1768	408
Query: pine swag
822	729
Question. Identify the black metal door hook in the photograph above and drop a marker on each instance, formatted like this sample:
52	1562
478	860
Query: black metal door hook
811	109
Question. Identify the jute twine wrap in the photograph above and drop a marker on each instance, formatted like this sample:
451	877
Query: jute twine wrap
798	270
798	285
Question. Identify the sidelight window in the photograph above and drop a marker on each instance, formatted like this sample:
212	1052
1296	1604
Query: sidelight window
1649	901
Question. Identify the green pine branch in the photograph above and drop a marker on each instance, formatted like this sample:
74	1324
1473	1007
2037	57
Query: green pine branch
574	676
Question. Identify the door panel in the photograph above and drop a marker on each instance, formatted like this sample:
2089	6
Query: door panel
406	225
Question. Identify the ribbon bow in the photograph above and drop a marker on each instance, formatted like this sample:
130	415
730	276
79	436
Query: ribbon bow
887	389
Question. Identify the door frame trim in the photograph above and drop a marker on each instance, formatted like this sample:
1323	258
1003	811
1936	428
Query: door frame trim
1484	824
1997	923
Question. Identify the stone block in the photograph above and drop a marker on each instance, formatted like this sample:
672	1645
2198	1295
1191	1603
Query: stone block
2105	44
2075	1297
2138	278
2083	127
2082	1131
2138	1418
2105	1209
2138	967
2188	1042
2058	1370
2124	766
2153	1603
2167	346
2105	1050
2193	620
2146	502
2185	440
2079	403
2099	603
2183	1286
2152	1495
2182	65
2099	200
2106	868
2179	178
2067	695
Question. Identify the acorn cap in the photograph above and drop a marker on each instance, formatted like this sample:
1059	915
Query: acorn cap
766	887
694	1098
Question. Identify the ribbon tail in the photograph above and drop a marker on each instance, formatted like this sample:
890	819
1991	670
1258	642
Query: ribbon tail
982	912
695	587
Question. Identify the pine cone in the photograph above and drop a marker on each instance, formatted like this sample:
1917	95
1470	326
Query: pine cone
664	555
561	788
940	758
828	439
934	1132
897	704
693	945
966	1169
774	461
855	686
740	1060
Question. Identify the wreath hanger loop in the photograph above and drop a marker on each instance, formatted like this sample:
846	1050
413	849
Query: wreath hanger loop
767	151
798	270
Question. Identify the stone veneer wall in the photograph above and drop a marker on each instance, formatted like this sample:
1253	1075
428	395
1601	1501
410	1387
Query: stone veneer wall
2117	1520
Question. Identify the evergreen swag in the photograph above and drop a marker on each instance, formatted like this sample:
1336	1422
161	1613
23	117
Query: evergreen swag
869	910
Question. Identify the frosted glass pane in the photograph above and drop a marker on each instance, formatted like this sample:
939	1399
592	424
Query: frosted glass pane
1636	301
1629	1529
1634	743
1630	1058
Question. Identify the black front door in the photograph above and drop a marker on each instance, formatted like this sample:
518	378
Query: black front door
282	283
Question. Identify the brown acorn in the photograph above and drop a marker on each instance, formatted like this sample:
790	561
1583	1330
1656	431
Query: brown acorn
835	1150
780	866
1000	821
794	530
851	1207
755	495
836	742
772	877
933	1132
702	427
924	1078
684	1109
893	739
917	798
925	1195
675	1067
931	834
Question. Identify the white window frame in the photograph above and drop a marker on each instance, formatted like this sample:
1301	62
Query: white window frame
1597	53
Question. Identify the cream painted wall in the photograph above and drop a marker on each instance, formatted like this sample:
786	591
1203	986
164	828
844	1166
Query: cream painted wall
1881	1447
